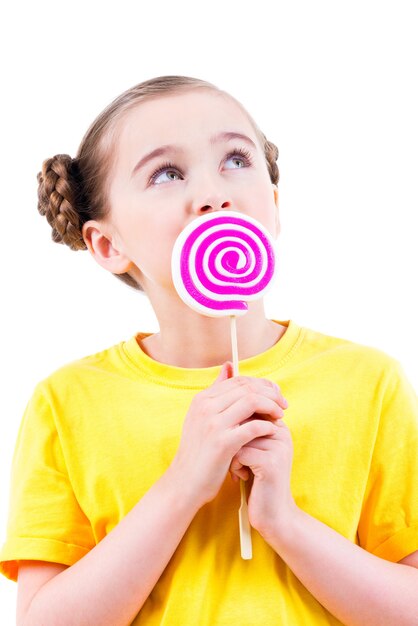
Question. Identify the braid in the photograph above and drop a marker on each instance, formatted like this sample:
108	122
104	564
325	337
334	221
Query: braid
56	194
272	154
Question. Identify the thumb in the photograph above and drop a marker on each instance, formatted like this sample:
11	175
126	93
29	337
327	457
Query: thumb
226	372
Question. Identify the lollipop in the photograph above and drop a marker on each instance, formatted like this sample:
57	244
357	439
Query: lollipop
220	262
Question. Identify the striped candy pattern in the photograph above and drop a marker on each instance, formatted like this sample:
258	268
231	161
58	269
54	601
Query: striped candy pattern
221	261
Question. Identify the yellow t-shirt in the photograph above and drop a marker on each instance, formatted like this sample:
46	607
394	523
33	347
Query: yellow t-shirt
99	431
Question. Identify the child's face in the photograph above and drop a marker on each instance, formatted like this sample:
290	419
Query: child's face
149	209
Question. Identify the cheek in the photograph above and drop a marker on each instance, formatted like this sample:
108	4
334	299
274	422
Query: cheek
267	211
151	250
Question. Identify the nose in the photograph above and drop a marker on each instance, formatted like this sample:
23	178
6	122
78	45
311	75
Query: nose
212	206
211	200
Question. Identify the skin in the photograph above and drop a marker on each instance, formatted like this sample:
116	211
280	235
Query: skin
145	218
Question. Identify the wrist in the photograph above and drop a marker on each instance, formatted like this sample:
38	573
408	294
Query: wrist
182	486
280	531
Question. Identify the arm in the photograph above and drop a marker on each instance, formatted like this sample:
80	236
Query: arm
357	587
354	585
411	559
109	585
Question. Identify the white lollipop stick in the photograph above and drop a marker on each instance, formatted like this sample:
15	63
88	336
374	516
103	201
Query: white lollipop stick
244	522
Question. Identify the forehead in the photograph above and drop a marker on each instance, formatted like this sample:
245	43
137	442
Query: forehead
174	118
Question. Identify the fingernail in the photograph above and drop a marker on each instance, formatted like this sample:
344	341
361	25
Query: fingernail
285	402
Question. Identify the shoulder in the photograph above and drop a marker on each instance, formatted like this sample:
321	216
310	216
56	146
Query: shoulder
370	372
373	374
74	383
350	355
87	367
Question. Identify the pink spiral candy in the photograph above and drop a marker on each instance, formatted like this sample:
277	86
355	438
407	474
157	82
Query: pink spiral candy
222	260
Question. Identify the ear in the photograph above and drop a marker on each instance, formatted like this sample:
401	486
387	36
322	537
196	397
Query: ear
103	247
276	201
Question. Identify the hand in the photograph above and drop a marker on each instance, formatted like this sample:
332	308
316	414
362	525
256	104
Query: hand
270	503
217	426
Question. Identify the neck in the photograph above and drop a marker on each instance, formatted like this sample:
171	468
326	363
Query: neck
191	340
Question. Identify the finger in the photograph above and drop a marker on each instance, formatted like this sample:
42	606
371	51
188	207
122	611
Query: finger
236	466
237	469
246	406
260	416
265	443
281	399
239	436
254	459
240	472
244	457
231	396
249	384
277	391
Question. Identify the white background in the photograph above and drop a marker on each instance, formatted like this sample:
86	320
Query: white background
332	84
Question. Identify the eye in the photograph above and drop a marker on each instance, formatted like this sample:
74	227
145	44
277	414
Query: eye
162	169
239	154
165	166
243	156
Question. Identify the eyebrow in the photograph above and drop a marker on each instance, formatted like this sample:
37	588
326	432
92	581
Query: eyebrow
224	136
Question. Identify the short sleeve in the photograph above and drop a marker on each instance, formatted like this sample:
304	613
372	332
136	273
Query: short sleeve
45	520
388	526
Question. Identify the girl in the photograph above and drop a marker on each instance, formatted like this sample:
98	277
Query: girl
122	510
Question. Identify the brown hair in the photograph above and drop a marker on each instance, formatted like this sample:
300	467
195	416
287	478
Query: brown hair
73	191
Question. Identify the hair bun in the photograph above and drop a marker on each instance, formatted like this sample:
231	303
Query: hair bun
56	195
